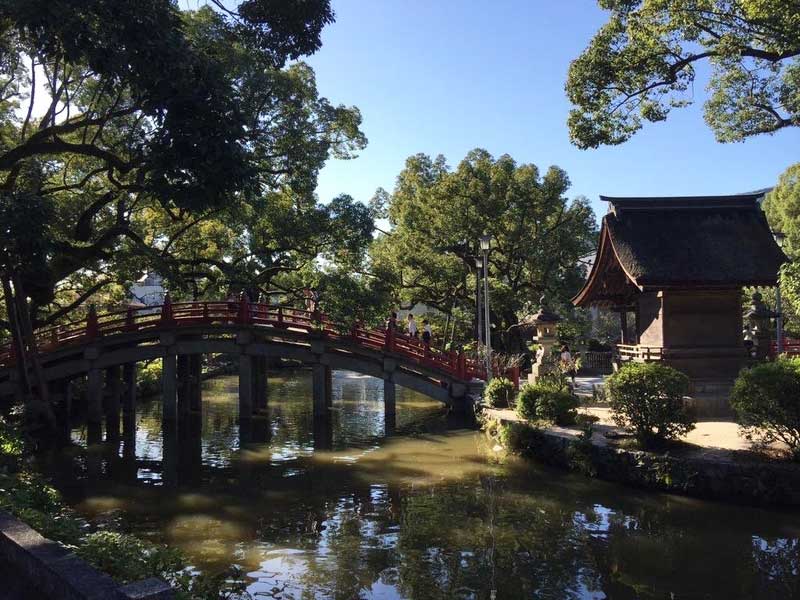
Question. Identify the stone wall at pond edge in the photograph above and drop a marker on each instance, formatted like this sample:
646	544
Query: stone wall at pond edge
749	482
53	572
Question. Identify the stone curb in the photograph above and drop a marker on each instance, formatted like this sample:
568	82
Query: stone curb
56	573
729	481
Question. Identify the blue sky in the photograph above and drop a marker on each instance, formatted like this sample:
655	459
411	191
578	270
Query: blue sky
447	76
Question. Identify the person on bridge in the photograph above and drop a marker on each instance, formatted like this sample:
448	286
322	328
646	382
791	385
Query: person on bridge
412	326
427	334
391	322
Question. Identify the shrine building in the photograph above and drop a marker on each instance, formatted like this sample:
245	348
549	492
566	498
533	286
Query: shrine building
674	269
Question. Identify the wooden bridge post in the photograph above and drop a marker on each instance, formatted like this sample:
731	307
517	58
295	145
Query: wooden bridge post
322	380
168	386
245	386
183	383
196	390
259	383
92	326
389	406
61	394
114	390
94	399
129	389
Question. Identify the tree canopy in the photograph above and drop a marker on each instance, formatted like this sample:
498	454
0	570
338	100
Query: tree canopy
437	215
643	63
170	140
782	207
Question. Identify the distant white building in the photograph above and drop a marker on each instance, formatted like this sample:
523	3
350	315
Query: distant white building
149	290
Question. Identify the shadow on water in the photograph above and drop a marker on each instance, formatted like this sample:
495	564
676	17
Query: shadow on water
342	511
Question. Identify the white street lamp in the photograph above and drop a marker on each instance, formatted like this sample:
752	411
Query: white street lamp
478	308
779	239
485	241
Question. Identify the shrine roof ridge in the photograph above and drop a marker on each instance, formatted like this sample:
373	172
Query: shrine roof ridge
739	201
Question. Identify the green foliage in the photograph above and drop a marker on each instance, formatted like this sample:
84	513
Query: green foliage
148	379
127	558
557	406
648	399
499	392
546	399
437	215
348	299
765	399
642	64
782	207
177	141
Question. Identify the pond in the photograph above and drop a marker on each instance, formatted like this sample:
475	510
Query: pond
429	511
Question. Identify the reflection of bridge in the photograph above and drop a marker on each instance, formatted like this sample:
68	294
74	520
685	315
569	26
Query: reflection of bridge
104	351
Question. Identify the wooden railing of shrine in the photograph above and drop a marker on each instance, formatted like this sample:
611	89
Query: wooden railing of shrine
242	312
628	352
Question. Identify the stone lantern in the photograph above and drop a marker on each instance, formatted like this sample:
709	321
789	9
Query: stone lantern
758	318
546	323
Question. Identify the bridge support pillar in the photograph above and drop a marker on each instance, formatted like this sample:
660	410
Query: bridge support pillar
94	409
259	384
196	378
389	406
169	392
183	385
61	395
245	386
323	434
129	389
113	402
322	376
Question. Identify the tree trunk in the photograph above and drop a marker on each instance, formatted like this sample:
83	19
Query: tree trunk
16	337
28	339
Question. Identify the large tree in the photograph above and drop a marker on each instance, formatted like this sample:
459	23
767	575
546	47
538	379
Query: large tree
642	63
438	214
126	128
782	207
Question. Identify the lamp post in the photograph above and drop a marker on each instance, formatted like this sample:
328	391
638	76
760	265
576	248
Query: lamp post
485	245
478	308
779	238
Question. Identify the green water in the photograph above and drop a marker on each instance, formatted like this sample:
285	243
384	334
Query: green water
432	511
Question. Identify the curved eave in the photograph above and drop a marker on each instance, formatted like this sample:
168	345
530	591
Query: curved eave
606	254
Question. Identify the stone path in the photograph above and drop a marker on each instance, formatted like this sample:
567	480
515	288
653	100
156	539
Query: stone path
719	440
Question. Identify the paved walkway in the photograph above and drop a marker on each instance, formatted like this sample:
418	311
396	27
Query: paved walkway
707	434
718	439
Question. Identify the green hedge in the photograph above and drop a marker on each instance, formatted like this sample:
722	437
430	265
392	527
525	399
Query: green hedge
499	392
548	401
647	398
766	400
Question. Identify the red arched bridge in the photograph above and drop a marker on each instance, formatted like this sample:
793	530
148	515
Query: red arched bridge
104	349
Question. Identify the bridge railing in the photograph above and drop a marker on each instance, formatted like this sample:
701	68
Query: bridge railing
242	312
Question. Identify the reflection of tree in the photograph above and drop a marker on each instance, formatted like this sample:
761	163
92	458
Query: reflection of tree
452	540
777	568
354	549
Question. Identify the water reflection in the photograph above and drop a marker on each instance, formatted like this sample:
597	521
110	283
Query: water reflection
344	512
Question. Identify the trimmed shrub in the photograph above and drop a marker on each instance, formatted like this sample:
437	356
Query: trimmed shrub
766	399
547	400
527	398
647	398
499	392
558	406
